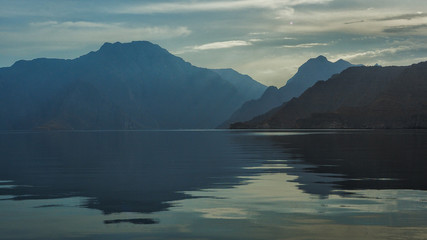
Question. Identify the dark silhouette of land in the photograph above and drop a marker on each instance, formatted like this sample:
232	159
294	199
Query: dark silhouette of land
314	70
136	85
359	97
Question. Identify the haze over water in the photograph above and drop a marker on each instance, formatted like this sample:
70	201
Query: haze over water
213	185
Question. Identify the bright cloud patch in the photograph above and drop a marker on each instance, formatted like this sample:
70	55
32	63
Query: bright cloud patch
375	53
198	6
82	31
68	24
219	45
305	45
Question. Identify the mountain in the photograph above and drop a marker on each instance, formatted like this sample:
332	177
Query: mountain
359	97
315	69
245	85
136	85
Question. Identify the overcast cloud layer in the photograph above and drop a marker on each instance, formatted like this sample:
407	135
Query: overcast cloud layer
267	39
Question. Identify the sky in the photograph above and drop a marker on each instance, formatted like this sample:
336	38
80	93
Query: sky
266	39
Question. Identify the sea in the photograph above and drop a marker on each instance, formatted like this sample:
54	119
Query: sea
213	184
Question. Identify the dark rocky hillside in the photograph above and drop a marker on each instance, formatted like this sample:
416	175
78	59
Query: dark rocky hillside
359	97
315	69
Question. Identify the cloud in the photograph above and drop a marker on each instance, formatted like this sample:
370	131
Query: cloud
220	45
394	23
67	35
216	46
198	6
408	16
353	22
43	24
374	53
284	13
305	45
258	33
83	31
343	21
405	28
405	53
69	24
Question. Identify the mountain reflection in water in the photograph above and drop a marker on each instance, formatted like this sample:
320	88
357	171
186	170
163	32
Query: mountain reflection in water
117	171
357	160
183	183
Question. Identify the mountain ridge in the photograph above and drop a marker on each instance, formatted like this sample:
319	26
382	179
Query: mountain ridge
313	70
246	85
359	97
135	85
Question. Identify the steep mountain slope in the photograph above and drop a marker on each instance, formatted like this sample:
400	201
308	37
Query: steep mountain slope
359	97
134	85
315	69
245	85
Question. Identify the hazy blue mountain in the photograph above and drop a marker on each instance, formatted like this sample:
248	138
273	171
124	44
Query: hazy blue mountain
134	85
246	86
315	69
359	97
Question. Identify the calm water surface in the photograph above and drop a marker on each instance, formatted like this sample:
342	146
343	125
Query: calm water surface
213	185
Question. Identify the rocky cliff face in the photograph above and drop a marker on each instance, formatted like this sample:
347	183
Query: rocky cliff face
359	97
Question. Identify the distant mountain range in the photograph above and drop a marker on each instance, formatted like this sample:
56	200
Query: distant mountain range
140	85
136	85
245	85
315	69
359	97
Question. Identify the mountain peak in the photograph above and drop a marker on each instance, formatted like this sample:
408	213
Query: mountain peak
308	74
341	61
315	61
320	67
135	45
136	85
139	52
383	98
321	58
